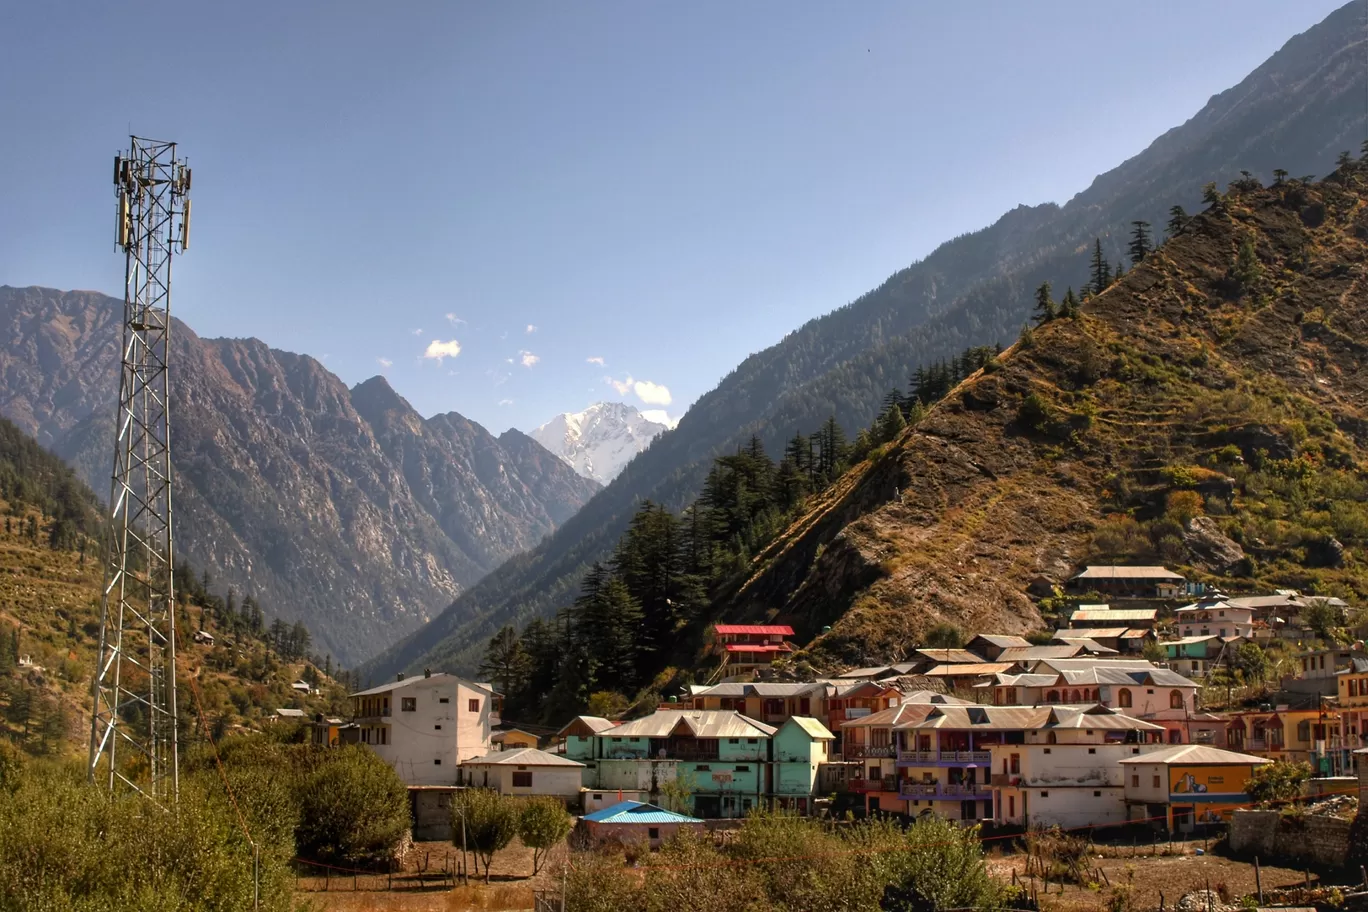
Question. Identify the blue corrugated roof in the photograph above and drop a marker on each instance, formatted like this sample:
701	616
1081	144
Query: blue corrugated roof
637	812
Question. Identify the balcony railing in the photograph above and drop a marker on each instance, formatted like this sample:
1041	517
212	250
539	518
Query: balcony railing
911	789
929	757
876	751
886	784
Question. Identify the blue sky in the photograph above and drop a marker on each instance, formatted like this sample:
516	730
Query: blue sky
587	200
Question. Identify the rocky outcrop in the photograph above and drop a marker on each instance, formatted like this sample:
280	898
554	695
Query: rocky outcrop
343	508
1210	546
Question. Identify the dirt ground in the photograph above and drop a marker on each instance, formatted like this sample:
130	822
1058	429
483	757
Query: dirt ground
1154	877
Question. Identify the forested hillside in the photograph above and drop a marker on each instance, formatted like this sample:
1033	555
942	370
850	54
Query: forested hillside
51	568
1297	111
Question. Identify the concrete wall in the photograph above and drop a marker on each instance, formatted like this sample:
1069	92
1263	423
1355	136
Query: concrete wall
1322	841
559	781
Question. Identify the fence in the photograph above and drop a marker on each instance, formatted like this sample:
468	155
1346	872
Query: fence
434	872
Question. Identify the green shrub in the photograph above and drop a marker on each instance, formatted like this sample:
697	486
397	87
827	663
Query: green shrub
542	826
353	809
490	822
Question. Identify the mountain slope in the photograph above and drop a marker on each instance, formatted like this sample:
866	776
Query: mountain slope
1296	111
1212	382
341	508
600	440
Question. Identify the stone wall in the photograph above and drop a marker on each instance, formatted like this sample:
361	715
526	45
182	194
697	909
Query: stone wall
1321	841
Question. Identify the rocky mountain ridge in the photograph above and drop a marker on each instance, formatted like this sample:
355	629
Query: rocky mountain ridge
343	508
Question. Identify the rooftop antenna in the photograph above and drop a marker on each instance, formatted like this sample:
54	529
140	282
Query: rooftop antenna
133	741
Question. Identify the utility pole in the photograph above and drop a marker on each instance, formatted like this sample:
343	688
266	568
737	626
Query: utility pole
133	738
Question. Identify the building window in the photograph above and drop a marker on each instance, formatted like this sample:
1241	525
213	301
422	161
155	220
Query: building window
1047	750
522	780
437	762
1175	699
474	706
1135	780
408	704
1092	750
1097	794
438	727
653	832
703	768
733	740
1123	698
444	699
743	769
752	740
1044	794
1156	781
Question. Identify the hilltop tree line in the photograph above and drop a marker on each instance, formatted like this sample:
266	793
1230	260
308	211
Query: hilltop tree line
648	605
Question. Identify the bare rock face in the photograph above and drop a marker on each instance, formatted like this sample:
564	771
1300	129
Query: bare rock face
1209	545
343	508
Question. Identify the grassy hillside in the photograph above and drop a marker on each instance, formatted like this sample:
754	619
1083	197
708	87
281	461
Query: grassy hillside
50	576
1214	397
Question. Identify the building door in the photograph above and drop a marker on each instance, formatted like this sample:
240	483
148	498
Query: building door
1182	819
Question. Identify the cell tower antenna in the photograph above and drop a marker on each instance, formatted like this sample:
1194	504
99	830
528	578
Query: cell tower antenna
133	738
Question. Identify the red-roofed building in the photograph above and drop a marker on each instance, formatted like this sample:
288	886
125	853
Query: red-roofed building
745	647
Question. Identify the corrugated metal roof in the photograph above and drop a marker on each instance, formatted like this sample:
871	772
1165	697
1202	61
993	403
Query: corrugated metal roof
758	647
1196	754
1124	572
758	689
816	730
422	679
894	715
1025	680
527	756
594	724
1030	653
951	656
757	629
701	723
637	812
967	669
1107	615
1002	642
1091	633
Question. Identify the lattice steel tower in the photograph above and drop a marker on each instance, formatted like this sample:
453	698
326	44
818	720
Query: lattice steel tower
133	742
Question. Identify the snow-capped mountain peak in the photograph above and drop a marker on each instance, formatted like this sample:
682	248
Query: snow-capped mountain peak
600	440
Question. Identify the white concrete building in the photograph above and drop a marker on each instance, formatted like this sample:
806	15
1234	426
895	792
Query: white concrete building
1218	619
1066	772
424	726
525	771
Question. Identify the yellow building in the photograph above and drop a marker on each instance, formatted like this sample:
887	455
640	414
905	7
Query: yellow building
1352	686
1187	785
1284	734
514	739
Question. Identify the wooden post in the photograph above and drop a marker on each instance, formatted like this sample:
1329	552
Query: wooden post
327	879
1258	880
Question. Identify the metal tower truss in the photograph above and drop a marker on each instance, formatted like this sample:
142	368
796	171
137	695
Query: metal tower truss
133	738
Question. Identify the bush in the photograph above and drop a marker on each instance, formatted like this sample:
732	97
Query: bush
1034	412
542	826
1278	781
353	809
490	822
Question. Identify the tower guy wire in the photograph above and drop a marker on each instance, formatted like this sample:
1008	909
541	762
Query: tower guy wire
134	745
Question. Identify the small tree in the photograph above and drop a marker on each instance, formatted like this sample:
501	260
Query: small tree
892	424
1279	177
542	826
1177	219
1153	652
1141	243
1247	270
1068	308
490	823
505	661
1252	662
1101	269
944	636
1210	194
677	794
1278	781
1044	304
353	809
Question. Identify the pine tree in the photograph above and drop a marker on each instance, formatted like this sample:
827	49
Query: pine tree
1279	177
1069	306
1101	269
1210	194
1344	161
1044	304
1141	243
1177	219
892	424
506	664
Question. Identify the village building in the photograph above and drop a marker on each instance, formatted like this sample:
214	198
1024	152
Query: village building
1199	655
289	715
798	750
1028	656
1125	640
854	700
1185	727
770	703
1352	687
963	677
576	740
635	822
525	771
1181	787
1130	581
1299	735
872	743
1063	769
1132	686
424	726
513	739
329	732
990	646
747	647
1219	619
1106	616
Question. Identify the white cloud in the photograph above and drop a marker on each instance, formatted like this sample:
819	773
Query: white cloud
417	332
659	416
385	362
594	360
528	359
623	387
652	393
531	328
505	402
437	349
453	319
